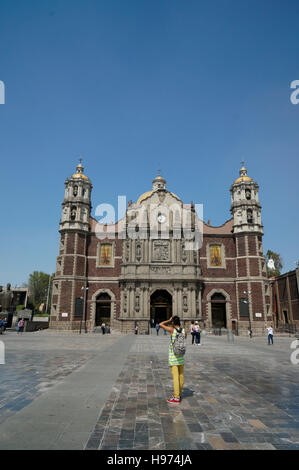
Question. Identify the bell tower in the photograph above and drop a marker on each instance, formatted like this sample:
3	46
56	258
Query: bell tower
245	205
76	205
252	297
70	284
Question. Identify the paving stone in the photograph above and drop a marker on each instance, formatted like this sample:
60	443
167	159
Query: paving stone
236	396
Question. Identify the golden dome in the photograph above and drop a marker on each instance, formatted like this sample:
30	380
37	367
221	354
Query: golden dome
79	173
144	196
149	193
243	176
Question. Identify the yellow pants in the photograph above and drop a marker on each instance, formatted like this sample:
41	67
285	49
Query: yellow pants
178	379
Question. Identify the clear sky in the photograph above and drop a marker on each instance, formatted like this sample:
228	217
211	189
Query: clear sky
189	87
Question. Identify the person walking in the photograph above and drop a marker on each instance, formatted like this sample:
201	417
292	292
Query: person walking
103	328
21	324
2	325
270	334
197	333
192	331
249	332
157	328
136	330
176	361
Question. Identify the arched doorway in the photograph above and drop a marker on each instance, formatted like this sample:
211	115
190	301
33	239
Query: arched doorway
161	306
103	309
218	307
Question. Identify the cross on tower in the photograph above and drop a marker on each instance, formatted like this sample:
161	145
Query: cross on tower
80	160
242	163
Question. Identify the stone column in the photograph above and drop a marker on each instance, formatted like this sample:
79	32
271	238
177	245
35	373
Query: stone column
199	303
289	300
193	302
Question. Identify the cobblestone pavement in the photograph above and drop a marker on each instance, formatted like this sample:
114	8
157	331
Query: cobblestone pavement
70	391
36	362
240	395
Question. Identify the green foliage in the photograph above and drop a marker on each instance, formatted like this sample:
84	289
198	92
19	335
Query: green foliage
20	307
38	287
278	263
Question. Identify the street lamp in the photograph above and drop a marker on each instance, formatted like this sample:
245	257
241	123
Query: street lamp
248	302
84	309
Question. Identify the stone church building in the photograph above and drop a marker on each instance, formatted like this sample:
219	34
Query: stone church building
146	266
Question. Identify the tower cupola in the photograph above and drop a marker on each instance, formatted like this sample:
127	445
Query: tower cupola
76	205
245	205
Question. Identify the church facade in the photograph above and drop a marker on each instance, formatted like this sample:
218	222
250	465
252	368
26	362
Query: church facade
160	259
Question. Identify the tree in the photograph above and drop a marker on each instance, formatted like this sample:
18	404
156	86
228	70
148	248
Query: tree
278	263
38	288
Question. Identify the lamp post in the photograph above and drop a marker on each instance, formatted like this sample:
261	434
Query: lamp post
84	309
248	302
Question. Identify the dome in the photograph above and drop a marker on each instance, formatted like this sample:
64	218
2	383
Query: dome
144	196
243	176
149	193
79	173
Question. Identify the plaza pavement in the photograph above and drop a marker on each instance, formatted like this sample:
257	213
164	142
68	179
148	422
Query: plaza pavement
88	391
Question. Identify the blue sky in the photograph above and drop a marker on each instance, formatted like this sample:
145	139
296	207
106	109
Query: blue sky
189	87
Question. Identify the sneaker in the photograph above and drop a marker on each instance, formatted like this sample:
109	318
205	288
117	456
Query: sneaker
175	401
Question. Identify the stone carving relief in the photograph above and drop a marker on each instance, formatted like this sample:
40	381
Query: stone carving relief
161	269
138	251
161	196
161	251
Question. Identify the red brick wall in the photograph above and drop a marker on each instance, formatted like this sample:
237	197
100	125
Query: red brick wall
242	267
252	245
254	266
81	244
257	298
241	246
68	265
66	298
230	252
70	243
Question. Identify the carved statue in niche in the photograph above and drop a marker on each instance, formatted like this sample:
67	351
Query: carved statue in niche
137	303
184	254
248	194
127	251
125	302
185	302
249	216
138	251
75	190
73	212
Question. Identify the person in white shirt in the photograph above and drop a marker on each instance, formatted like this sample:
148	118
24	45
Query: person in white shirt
270	334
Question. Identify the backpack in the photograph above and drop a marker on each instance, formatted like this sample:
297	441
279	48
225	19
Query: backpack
179	344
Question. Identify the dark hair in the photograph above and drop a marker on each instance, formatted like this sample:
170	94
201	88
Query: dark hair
176	321
192	322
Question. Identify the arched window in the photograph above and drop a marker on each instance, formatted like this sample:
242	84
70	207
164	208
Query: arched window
249	216
218	296
73	212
